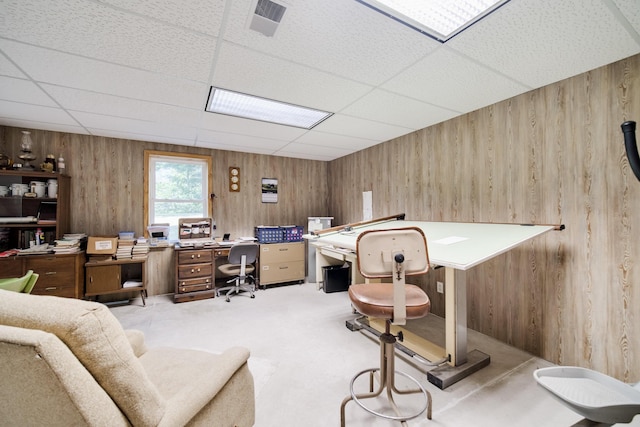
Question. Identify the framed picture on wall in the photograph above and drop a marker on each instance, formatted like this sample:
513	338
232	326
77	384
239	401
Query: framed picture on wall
269	190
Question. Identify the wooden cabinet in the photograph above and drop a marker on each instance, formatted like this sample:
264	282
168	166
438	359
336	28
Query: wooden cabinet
281	262
18	231
195	274
59	275
116	276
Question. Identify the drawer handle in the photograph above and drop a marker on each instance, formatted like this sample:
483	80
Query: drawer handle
195	256
183	283
284	267
207	281
193	270
49	273
53	288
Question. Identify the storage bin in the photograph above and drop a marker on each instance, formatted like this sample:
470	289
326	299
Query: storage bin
267	234
292	233
336	278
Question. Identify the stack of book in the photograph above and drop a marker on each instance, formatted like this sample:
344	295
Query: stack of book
70	243
140	249
125	247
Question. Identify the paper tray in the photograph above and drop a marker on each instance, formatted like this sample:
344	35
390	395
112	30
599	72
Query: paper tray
593	395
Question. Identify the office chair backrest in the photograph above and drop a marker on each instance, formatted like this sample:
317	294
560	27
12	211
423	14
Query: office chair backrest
377	248
248	249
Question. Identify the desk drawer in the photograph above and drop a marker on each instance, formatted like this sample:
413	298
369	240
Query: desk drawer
192	285
67	291
195	256
53	271
281	252
191	271
280	272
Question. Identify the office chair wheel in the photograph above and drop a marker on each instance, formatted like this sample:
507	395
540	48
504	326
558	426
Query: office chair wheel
253	296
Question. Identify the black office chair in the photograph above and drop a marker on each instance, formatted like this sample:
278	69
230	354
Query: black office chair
390	254
242	256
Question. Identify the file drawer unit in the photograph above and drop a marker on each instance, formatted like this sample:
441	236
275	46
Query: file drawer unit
59	275
195	275
281	263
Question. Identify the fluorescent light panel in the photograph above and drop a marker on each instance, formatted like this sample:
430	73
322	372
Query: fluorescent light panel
222	101
439	19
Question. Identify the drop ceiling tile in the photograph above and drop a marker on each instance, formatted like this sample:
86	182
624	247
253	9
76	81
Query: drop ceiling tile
96	30
394	109
229	124
204	16
453	82
313	152
324	139
20	111
34	124
541	42
236	142
47	66
140	137
342	37
157	128
630	9
91	102
25	91
8	69
361	128
270	77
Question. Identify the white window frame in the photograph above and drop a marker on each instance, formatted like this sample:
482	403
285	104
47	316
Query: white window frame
150	158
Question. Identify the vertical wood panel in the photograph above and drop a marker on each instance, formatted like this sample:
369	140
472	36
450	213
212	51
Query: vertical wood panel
552	155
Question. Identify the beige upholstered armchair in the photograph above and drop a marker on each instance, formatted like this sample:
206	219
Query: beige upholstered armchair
66	362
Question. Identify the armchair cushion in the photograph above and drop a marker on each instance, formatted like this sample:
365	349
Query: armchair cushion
96	338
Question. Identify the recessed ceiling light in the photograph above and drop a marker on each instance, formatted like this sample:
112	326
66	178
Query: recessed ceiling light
439	19
222	101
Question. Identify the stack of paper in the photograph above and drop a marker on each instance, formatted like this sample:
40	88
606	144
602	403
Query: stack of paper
69	244
124	248
140	249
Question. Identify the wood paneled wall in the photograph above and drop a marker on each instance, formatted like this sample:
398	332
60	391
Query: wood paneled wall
107	180
550	156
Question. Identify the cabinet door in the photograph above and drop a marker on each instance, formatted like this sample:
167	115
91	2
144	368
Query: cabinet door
102	279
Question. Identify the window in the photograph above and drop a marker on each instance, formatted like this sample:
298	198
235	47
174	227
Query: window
176	186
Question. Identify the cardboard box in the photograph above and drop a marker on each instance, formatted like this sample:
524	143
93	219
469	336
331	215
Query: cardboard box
102	245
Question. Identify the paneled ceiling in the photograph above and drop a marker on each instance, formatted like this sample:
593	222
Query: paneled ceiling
141	70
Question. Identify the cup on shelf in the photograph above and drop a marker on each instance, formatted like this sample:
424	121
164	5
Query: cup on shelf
4	190
52	188
38	188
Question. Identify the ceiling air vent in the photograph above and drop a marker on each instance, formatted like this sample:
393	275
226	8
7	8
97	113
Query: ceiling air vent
267	16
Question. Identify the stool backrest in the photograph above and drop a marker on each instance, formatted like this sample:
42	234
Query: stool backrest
376	250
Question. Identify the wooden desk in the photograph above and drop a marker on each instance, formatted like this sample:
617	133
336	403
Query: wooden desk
455	246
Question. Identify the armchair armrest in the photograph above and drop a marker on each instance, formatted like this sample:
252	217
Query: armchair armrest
190	385
136	339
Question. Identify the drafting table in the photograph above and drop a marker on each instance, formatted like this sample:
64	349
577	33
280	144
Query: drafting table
455	246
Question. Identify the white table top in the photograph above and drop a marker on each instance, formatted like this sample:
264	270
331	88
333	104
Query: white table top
458	245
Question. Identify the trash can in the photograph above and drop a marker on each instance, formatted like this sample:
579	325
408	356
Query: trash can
336	278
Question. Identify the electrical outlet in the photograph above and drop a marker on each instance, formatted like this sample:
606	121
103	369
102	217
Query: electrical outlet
440	287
